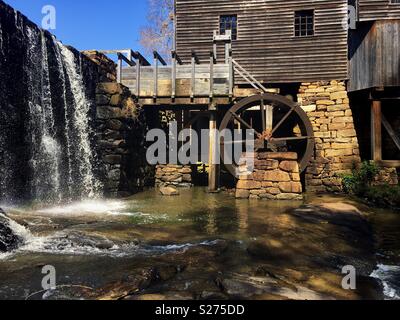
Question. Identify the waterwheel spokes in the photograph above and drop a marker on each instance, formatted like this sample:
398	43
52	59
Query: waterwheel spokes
284	139
283	119
243	122
263	115
267	110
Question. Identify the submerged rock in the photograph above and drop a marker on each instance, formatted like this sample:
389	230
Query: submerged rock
169	191
8	239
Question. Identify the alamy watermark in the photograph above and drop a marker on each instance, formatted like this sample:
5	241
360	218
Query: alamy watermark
188	147
349	282
49	20
49	280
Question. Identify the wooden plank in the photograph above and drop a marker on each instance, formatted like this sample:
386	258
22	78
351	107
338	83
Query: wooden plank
376	132
389	163
213	174
266	45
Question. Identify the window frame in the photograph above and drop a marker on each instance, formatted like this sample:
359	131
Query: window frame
295	17
233	15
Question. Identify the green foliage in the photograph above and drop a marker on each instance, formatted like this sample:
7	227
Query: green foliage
360	183
361	179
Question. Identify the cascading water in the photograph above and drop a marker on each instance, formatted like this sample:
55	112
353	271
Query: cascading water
80	121
46	107
45	158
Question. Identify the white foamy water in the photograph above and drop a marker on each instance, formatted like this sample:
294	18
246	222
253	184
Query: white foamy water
88	207
19	231
81	121
390	276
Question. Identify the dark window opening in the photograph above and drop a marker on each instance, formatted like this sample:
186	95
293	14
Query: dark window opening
304	23
228	23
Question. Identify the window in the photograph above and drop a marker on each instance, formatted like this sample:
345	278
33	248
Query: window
304	23
228	23
395	1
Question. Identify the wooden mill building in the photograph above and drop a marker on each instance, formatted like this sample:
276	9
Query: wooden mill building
286	44
324	74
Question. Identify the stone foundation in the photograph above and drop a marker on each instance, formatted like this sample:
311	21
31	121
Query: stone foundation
121	131
174	175
276	177
336	150
121	128
388	176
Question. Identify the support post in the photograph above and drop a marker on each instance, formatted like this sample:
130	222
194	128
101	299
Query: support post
173	73
138	62
119	69
231	74
376	132
213	174
155	77
212	62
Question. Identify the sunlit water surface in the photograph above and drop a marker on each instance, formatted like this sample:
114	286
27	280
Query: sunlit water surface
94	243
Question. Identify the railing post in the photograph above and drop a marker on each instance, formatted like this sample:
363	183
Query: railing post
155	76
193	79
215	44
228	45
138	62
173	89
231	74
119	69
212	61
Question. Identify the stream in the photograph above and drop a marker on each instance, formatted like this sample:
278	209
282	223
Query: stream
203	246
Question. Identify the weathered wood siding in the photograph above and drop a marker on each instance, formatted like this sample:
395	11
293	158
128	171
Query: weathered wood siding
375	55
378	9
266	45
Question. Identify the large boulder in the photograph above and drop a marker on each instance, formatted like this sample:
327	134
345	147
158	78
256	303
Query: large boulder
8	239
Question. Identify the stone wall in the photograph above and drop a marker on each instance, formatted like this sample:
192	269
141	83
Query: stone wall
388	176
121	131
174	175
276	177
337	150
121	128
106	68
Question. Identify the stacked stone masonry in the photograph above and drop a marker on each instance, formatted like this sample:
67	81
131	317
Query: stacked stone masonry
106	68
121	131
336	144
276	176
121	128
174	175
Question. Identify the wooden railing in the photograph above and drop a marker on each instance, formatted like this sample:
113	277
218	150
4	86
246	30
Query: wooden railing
192	79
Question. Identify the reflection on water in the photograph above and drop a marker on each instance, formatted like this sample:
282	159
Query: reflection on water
300	245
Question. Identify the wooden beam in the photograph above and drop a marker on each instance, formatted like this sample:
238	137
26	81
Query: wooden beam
376	130
213	174
391	132
389	163
159	58
212	62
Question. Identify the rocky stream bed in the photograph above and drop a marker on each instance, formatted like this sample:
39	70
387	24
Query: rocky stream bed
201	246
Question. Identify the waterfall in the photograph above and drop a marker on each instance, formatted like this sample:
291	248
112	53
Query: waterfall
80	121
45	159
46	111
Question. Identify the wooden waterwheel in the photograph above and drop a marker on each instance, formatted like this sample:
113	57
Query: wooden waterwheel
280	125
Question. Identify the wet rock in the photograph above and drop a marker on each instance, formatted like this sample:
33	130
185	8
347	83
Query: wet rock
79	239
166	296
169	191
166	272
240	289
210	295
128	287
8	239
